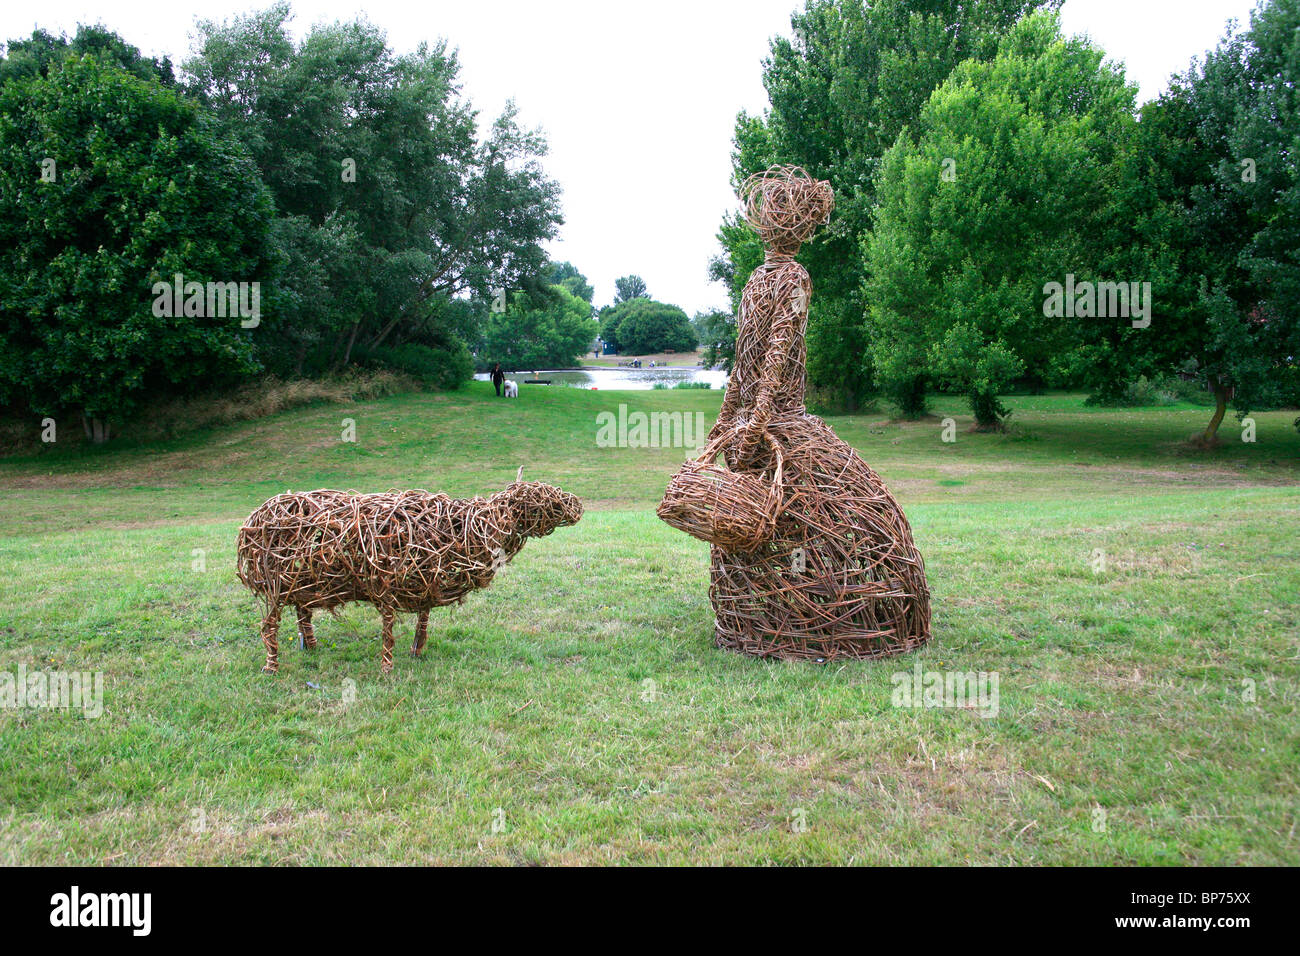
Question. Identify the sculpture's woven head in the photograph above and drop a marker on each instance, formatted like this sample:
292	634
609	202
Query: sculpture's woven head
539	508
786	206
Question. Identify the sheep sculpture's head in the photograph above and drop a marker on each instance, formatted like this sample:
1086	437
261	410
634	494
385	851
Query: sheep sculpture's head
539	508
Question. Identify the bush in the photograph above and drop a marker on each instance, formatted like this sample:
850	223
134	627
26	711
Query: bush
1185	390
549	329
145	187
448	367
645	327
167	416
1145	392
1281	390
665	385
1162	390
907	395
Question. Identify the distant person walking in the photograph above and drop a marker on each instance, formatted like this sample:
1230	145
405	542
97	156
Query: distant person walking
498	377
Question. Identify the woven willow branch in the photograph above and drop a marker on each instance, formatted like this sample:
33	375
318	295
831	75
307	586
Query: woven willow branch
400	550
812	557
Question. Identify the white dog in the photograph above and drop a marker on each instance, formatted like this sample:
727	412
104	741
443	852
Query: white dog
512	389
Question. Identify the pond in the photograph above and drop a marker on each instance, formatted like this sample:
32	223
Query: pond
617	378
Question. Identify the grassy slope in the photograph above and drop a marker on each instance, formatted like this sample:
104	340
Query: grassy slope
683	359
1120	690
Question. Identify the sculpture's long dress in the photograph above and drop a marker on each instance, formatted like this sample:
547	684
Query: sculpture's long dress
842	578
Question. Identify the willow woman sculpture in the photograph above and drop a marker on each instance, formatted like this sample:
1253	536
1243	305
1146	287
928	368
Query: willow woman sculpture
837	574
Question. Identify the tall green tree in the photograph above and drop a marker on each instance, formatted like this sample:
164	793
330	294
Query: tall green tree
642	326
43	51
841	88
1018	174
716	332
141	185
380	150
567	275
549	328
628	288
1223	143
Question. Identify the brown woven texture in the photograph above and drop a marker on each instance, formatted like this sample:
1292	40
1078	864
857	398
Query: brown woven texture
400	550
733	510
824	565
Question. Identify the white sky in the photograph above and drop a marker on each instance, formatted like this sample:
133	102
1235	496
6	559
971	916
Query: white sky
628	92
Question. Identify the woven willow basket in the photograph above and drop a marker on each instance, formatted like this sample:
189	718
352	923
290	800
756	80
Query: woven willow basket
735	511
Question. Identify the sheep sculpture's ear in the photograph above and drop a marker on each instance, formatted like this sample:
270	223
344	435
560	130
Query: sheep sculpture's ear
519	475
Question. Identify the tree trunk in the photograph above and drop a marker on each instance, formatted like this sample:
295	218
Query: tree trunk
96	429
377	340
334	351
1211	435
352	340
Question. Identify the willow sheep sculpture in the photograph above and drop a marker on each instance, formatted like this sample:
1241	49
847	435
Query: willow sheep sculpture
400	550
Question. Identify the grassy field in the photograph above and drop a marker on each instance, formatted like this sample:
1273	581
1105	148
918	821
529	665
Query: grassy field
684	359
577	712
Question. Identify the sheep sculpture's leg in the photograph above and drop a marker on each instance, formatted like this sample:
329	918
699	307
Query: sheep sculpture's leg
305	632
270	629
386	656
421	633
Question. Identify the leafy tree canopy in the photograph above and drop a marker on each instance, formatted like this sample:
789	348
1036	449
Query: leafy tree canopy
642	326
1222	145
380	151
841	88
566	274
1016	177
716	332
547	330
144	186
43	51
628	288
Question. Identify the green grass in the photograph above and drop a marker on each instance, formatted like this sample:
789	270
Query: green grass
581	696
